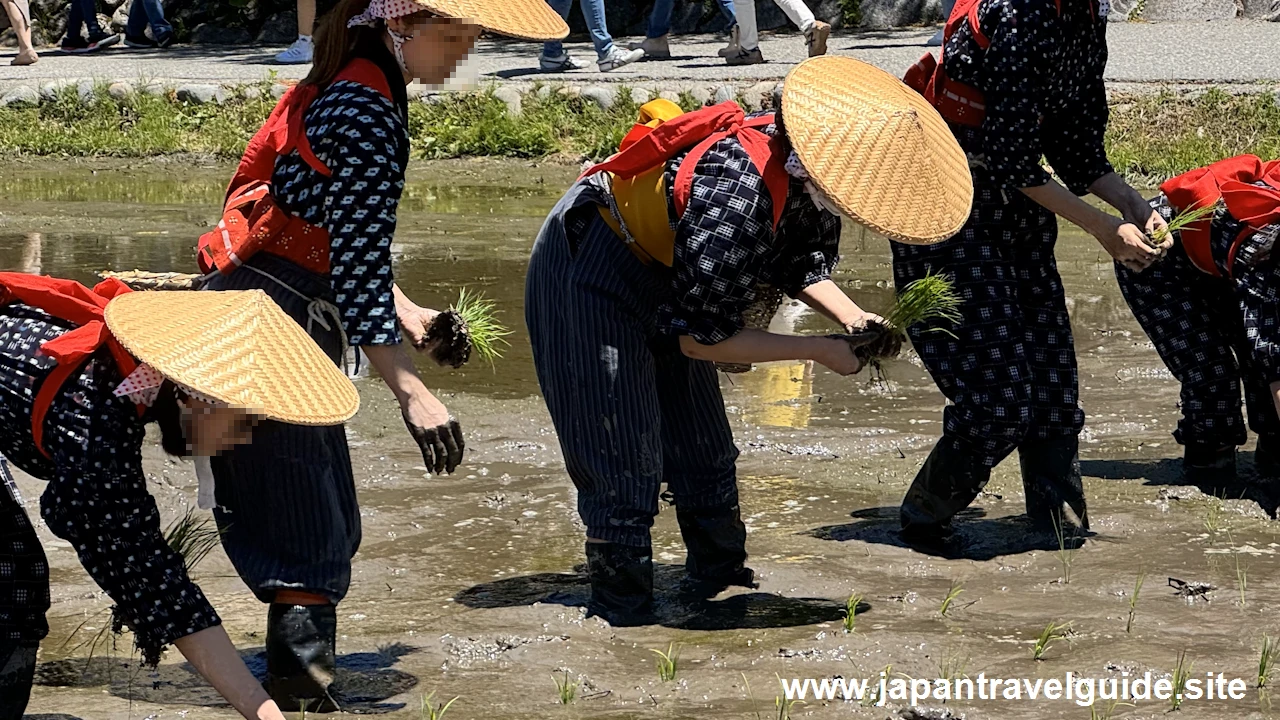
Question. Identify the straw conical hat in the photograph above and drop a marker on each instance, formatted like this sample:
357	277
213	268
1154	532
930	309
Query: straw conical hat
877	149
237	347
525	19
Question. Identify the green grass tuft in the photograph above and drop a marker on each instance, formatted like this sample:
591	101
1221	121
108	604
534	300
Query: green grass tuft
932	297
1052	633
432	710
1133	601
1267	661
1181	674
851	611
488	336
566	688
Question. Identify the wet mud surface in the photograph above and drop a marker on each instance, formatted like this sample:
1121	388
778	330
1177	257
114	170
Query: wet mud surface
468	585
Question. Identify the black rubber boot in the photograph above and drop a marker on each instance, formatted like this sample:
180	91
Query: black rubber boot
716	542
1051	479
621	583
17	672
949	482
1211	469
301	658
1266	458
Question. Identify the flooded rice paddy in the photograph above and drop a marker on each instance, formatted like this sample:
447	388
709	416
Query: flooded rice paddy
466	585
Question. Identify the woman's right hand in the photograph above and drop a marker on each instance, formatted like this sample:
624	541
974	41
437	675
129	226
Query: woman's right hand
837	355
437	433
1128	244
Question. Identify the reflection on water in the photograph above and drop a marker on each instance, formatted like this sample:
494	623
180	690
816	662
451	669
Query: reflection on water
473	224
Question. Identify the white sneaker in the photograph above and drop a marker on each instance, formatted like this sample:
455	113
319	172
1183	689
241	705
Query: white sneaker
564	63
299	53
618	57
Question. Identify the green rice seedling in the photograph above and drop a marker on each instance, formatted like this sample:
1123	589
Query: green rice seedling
956	588
1213	518
192	537
851	611
566	687
932	297
954	665
1052	633
488	336
433	711
1133	601
871	698
668	662
750	696
1181	674
1266	663
1105	714
1066	548
1242	576
1182	220
782	704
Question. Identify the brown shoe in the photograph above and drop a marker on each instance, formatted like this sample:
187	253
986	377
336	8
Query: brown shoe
746	57
816	38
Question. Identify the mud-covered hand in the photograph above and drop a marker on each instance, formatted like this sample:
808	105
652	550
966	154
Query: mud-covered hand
414	321
437	433
442	446
884	342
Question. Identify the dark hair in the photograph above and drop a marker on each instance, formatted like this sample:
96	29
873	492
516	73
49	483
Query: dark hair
336	45
166	413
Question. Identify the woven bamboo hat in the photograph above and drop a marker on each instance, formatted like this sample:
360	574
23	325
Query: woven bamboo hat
237	347
877	149
524	19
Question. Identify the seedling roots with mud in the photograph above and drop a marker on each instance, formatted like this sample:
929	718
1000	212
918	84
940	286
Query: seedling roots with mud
470	324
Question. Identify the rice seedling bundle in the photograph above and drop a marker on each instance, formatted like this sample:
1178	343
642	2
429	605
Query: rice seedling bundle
470	324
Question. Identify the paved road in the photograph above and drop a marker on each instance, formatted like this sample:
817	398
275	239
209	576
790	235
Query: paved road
1207	52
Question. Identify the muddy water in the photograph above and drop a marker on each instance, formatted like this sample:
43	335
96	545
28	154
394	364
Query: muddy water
465	585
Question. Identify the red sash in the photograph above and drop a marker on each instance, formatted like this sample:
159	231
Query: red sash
645	147
1232	182
74	303
252	221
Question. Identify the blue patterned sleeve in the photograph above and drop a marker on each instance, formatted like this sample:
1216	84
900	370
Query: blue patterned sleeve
720	243
1015	90
809	240
360	136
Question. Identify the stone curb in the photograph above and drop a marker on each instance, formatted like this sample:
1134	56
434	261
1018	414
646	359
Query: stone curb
752	95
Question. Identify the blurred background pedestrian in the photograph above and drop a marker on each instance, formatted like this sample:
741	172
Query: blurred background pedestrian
655	44
84	14
141	14
608	56
300	52
19	12
747	49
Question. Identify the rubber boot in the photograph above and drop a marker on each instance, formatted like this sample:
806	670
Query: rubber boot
621	583
301	660
1266	458
949	482
1211	469
1050	479
17	672
716	541
735	46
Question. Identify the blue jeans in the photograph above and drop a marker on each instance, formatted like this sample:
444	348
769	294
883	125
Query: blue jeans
593	11
83	13
144	12
660	18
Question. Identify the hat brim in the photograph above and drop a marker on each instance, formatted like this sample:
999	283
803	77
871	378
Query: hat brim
237	347
877	149
522	19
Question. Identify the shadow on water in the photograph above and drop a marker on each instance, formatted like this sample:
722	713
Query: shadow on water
363	683
747	611
1246	484
976	536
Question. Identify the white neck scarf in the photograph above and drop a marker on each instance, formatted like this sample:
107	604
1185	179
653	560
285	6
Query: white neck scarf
820	200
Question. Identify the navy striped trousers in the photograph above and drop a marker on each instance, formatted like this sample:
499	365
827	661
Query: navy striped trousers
630	410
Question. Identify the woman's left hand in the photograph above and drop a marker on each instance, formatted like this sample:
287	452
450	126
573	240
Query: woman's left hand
1142	215
415	320
862	322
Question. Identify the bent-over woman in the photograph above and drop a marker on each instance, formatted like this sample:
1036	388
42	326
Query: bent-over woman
309	219
82	373
639	278
1212	309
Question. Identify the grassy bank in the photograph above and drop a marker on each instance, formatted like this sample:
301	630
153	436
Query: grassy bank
1151	136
